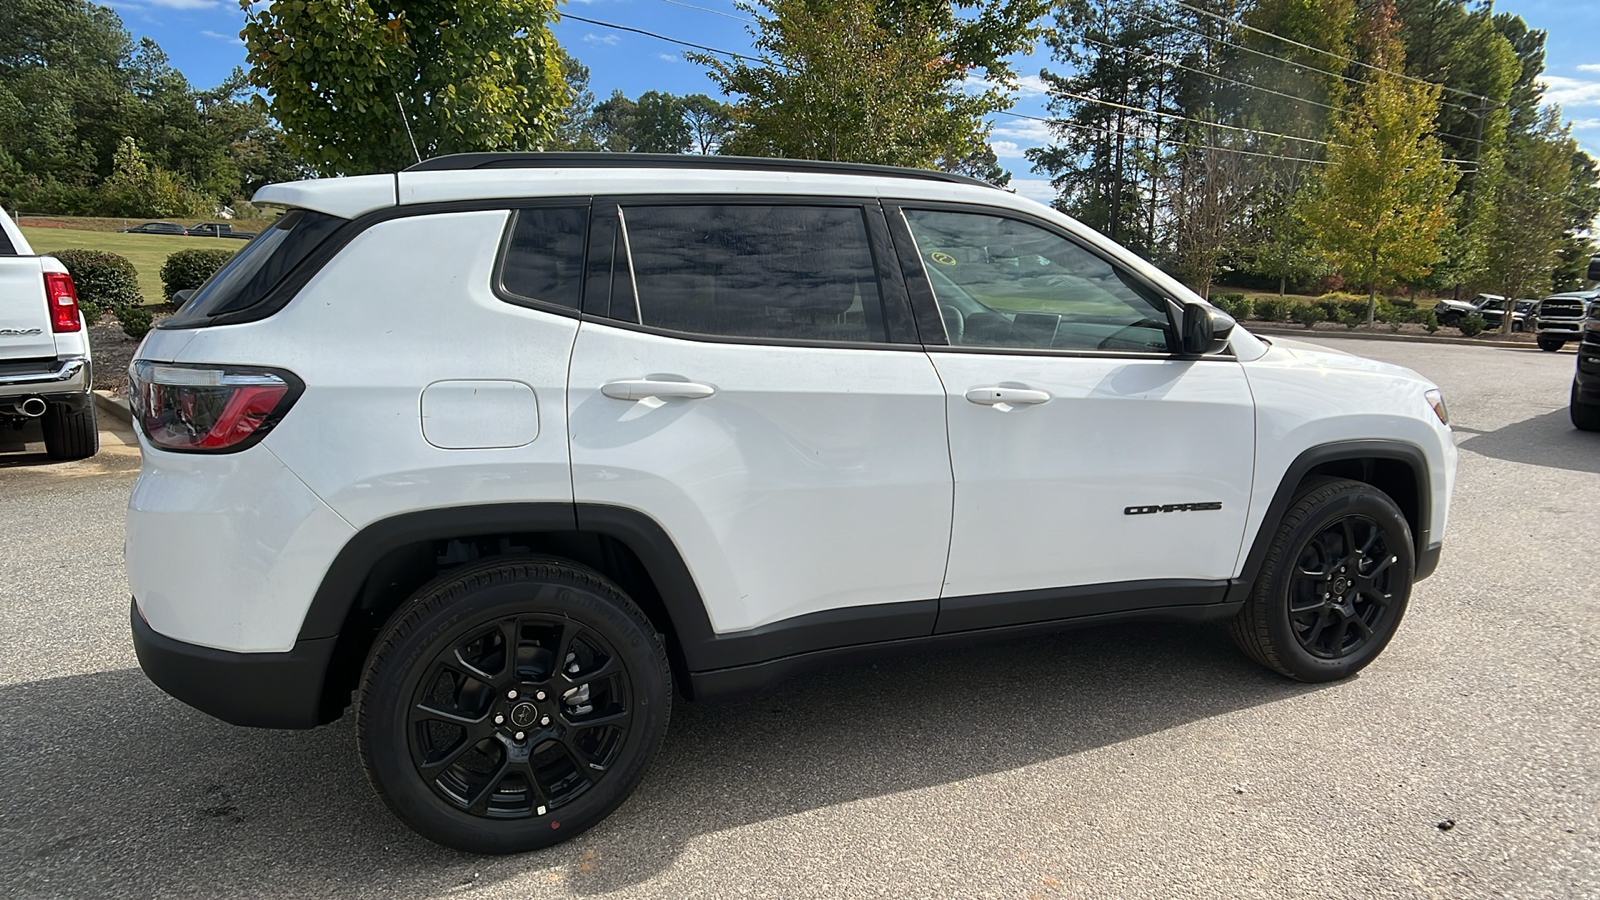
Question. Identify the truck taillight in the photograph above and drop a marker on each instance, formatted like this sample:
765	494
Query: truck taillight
63	299
208	409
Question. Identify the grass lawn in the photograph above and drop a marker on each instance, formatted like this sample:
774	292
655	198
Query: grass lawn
146	251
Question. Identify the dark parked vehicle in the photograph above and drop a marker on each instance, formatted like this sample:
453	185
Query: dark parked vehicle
1491	310
1584	406
219	229
156	228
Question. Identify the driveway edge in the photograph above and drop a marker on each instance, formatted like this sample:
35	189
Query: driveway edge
113	405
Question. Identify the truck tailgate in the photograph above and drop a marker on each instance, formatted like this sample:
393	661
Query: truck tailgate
25	331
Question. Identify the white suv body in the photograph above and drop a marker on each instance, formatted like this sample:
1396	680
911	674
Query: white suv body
880	435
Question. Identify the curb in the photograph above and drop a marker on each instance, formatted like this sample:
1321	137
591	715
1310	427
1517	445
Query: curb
113	405
1312	334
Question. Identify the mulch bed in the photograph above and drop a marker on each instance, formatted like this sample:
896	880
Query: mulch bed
113	351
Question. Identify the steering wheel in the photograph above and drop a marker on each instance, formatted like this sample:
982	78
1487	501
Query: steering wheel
1117	340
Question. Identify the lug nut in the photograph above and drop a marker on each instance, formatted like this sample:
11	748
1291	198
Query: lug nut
511	695
519	735
539	696
499	720
545	720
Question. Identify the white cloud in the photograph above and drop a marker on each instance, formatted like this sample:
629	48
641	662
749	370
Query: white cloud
670	57
609	40
1585	124
230	38
1006	149
1589	67
184	4
1034	189
1570	92
1026	86
1022	132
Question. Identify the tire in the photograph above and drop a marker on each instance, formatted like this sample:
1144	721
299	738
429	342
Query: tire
70	435
1585	416
1450	319
583	745
1277	626
1551	345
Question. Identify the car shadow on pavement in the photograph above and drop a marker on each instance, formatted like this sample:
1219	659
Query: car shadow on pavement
1548	440
114	788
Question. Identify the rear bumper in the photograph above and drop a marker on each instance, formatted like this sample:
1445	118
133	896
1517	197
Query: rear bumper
47	379
264	690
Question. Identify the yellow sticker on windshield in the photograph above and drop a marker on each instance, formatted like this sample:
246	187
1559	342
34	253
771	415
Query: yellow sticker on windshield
943	259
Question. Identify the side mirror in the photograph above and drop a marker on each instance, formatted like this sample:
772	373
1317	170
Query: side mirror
1205	329
1594	268
179	298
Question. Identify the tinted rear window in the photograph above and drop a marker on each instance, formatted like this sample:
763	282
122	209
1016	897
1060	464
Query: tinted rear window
792	272
255	270
543	258
6	248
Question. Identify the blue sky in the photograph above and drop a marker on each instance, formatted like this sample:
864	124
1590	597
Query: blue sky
201	37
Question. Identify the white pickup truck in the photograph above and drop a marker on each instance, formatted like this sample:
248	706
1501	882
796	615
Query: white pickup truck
45	367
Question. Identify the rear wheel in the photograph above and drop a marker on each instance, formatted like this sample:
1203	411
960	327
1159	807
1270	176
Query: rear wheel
1551	345
513	705
68	434
1334	585
1585	416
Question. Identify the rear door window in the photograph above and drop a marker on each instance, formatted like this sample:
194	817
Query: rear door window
802	273
254	271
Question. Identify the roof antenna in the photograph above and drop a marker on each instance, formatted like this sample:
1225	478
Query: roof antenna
407	122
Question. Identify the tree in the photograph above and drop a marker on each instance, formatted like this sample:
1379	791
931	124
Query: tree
659	125
710	121
878	81
363	87
1216	182
1531	217
572	131
1106	155
1383	202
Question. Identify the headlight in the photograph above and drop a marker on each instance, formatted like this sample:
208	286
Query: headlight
1436	400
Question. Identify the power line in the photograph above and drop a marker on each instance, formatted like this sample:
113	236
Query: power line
1329	53
714	12
1120	133
1216	75
1291	62
1287	61
662	37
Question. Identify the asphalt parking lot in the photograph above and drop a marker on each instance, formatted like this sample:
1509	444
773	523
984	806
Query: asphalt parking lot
1134	761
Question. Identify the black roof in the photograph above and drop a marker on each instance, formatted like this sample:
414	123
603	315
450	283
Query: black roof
460	161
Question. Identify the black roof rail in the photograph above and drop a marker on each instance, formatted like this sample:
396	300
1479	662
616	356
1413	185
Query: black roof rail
461	161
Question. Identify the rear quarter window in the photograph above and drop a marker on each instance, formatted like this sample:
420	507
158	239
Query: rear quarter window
254	271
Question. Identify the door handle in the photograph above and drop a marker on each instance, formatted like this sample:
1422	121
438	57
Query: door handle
1007	396
642	388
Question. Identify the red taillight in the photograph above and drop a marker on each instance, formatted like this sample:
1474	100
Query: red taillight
208	408
63	297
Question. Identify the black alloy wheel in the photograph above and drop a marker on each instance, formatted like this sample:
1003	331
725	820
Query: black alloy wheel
1340	591
512	704
520	717
1333	586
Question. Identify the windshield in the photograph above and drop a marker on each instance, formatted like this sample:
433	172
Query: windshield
256	270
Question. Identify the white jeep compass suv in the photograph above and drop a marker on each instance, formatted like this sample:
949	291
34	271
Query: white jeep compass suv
513	451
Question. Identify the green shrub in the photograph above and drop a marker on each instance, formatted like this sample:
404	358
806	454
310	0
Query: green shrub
188	269
1308	314
1340	297
1403	302
1471	326
1237	305
1429	320
106	282
1269	310
135	321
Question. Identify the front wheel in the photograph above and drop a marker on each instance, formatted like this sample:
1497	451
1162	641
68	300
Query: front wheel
1551	345
1585	416
1334	585
512	705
